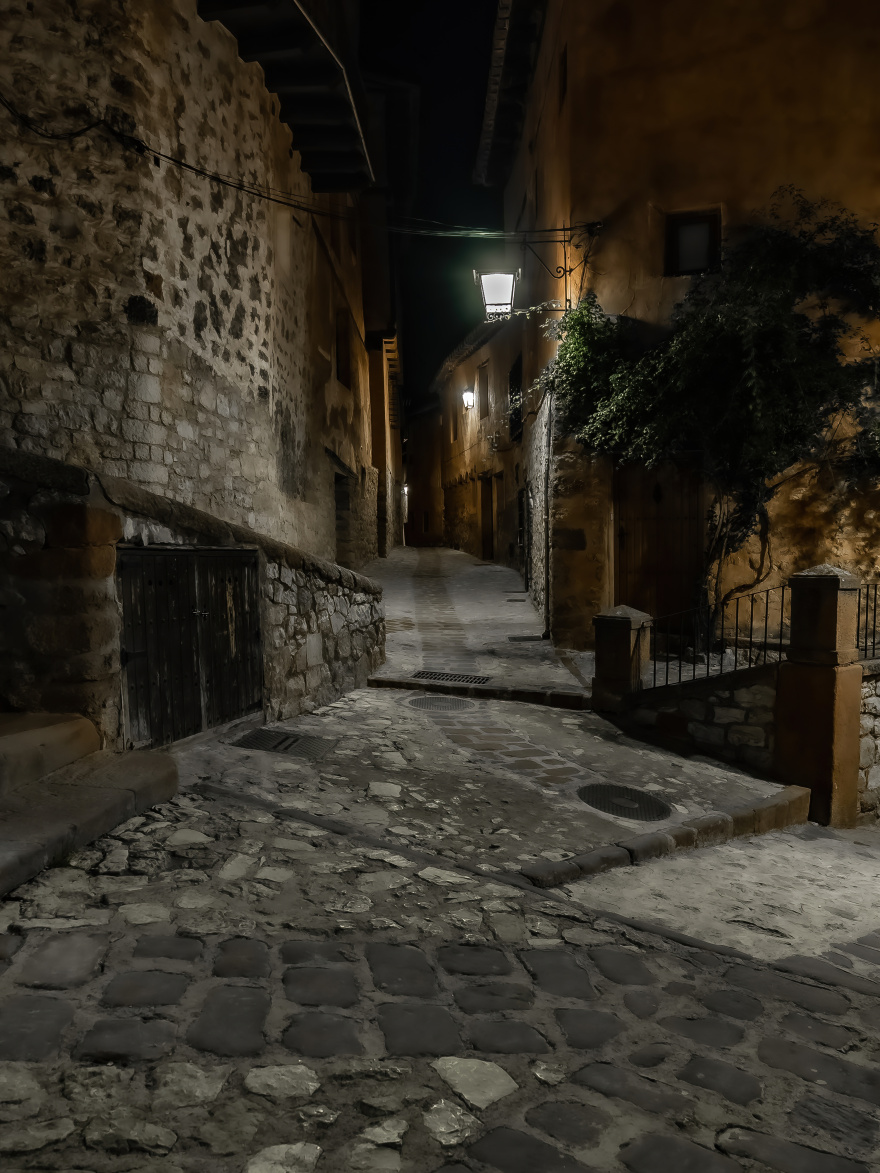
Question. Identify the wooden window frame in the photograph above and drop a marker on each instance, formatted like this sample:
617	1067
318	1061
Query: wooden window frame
678	220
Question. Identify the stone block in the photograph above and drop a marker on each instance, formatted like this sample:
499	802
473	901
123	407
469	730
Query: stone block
601	859
694	709
682	836
706	734
727	716
63	961
746	734
756	695
546	873
771	813
779	1154
714	827
651	845
867	752
743	820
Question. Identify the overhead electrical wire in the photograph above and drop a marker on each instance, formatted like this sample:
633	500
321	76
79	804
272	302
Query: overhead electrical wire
407	226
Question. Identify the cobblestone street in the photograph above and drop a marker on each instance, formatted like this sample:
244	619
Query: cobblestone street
330	962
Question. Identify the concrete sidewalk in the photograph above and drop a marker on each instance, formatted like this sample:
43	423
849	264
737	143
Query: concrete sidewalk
448	612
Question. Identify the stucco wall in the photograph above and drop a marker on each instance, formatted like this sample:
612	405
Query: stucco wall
155	325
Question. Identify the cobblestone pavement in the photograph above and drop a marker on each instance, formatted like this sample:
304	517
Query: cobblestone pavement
447	611
330	963
498	779
219	986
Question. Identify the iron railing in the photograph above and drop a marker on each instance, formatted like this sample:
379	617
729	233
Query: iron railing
693	645
866	621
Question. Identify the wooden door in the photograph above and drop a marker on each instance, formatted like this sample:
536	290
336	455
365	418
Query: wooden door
191	654
661	532
487	519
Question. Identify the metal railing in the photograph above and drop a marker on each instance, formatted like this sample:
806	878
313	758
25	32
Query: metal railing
866	621
696	644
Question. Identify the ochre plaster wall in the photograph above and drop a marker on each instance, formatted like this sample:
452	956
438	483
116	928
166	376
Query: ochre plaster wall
156	325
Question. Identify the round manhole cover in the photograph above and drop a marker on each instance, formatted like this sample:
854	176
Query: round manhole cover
625	801
440	704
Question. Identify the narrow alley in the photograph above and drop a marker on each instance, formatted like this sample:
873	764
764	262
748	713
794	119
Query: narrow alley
439	586
328	958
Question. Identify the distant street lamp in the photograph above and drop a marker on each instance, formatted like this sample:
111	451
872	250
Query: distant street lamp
467	398
497	290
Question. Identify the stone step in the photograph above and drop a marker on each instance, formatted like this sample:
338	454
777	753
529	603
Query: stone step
44	821
34	744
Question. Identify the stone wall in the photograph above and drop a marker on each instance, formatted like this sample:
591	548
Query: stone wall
869	746
155	325
535	456
322	626
731	717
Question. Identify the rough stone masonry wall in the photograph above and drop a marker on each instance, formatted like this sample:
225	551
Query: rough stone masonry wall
869	745
322	627
732	718
154	325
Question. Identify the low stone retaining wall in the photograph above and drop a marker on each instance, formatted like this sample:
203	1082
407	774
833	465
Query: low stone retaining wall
730	717
869	743
322	626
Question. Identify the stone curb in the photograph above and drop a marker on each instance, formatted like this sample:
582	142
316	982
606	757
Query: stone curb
554	698
790	806
43	823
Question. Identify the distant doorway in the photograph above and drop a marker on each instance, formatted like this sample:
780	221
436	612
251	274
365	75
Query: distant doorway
487	514
661	532
342	497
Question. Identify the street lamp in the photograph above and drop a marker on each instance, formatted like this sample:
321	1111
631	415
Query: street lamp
467	398
497	290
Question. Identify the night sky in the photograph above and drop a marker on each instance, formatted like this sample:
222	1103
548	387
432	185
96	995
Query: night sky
445	49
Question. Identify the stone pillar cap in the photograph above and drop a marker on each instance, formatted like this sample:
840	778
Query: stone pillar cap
624	613
843	579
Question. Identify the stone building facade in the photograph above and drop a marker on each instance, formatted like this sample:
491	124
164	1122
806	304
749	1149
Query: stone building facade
637	117
184	313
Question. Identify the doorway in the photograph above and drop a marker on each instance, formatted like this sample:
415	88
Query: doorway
191	652
661	532
487	516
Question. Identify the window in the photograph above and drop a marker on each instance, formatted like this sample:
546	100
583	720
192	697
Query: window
563	75
454	421
483	390
343	347
425	522
693	243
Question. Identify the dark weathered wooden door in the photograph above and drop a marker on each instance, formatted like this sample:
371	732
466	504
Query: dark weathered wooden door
190	640
661	532
229	634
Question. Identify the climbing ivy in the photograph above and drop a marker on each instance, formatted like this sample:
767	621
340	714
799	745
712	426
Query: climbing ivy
762	363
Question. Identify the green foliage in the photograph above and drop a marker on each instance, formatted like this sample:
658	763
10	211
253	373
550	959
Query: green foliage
752	375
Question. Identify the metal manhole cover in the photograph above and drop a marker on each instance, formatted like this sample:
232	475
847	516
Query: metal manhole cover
441	703
300	745
451	677
625	801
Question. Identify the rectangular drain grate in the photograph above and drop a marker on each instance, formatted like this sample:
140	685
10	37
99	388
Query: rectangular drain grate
451	677
525	639
299	745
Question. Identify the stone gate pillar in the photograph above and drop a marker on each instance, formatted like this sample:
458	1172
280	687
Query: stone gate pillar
819	695
623	650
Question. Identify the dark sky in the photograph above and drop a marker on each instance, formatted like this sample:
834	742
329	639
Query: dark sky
444	48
